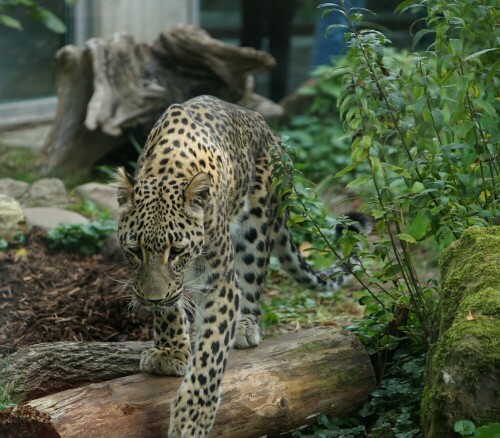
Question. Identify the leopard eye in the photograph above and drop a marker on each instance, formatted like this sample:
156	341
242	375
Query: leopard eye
136	251
175	251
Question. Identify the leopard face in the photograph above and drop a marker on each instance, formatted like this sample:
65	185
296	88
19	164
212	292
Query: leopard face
161	231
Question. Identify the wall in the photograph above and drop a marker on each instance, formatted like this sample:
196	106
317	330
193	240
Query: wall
144	19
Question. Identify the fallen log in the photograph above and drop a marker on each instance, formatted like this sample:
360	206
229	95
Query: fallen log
112	88
42	369
279	386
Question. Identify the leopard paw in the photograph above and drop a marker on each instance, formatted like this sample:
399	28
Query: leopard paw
164	361
247	332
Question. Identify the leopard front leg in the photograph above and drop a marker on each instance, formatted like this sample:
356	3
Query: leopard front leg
172	351
194	408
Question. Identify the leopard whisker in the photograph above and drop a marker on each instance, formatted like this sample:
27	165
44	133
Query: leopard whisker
128	283
192	307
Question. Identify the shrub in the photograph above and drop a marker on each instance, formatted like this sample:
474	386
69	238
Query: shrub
81	238
425	143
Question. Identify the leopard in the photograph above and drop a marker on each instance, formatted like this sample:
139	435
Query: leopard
198	221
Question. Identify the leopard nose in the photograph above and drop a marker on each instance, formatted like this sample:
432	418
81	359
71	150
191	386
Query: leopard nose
155	301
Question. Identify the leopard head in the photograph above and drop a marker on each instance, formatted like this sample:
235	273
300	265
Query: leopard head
161	231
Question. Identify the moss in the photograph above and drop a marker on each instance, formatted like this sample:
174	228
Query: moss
463	370
312	347
463	274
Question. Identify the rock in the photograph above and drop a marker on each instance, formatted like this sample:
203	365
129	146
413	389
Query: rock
49	217
13	188
112	250
463	366
46	192
12	220
102	195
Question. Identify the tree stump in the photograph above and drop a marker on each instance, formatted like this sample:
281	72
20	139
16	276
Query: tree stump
277	387
463	367
112	88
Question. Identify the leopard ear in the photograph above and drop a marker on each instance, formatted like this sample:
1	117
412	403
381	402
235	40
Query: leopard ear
125	185
196	193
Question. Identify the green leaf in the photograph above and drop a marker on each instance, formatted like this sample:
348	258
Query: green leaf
417	187
362	179
377	214
8	21
463	128
420	34
335	26
419	225
485	106
419	106
481	52
358	155
375	164
406	238
438	118
488	431
49	20
346	245
397	100
437	209
456	46
464	427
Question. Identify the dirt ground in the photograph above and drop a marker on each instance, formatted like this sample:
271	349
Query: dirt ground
47	297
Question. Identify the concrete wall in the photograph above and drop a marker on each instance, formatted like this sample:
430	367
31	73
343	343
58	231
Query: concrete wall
144	19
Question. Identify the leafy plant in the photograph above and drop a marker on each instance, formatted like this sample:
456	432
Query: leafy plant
5	399
317	134
425	138
464	428
428	135
81	238
90	210
468	428
327	427
33	11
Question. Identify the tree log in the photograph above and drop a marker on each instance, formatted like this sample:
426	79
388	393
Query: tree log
279	386
112	88
43	369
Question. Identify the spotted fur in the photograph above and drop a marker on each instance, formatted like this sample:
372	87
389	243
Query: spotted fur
198	222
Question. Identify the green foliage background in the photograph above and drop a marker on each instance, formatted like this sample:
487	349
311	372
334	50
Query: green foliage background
417	136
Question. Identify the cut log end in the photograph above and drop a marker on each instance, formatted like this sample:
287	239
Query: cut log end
24	421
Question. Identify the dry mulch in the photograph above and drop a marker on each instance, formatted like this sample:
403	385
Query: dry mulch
57	296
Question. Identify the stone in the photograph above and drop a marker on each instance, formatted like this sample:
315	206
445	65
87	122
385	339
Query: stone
102	195
49	218
46	192
112	250
13	188
12	220
462	378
